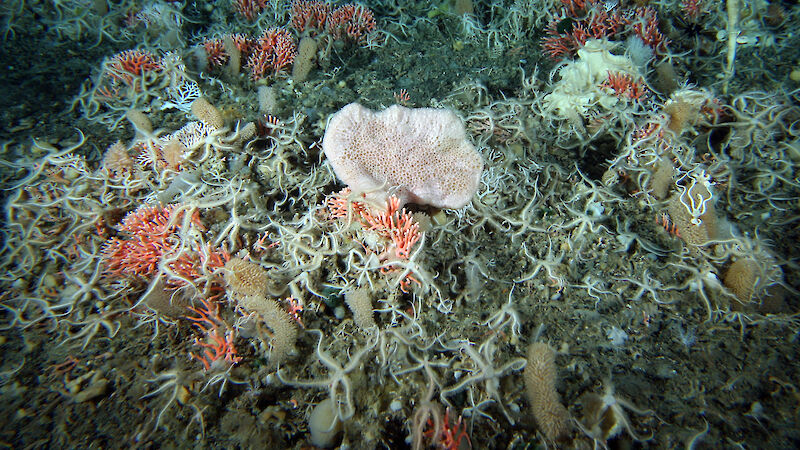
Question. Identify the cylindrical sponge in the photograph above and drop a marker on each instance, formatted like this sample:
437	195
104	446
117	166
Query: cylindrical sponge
284	330
207	113
360	302
324	424
247	282
540	383
304	61
140	121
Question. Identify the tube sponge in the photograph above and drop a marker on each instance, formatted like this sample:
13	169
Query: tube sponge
360	303
246	284
284	330
540	382
323	424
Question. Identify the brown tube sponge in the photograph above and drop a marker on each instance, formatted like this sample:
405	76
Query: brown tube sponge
540	383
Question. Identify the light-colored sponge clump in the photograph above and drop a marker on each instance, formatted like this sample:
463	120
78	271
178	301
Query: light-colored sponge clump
742	278
422	154
284	330
245	278
207	113
540	382
579	89
246	284
360	303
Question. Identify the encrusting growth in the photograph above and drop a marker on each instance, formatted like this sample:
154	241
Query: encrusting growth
540	382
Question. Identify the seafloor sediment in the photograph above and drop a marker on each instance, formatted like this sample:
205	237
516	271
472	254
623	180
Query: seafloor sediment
182	267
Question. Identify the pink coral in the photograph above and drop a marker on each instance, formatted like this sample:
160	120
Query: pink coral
394	224
131	64
353	21
316	17
566	34
217	341
147	235
624	86
309	16
249	9
215	52
272	53
645	25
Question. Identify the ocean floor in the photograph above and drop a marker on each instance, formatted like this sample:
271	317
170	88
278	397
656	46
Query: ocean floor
182	266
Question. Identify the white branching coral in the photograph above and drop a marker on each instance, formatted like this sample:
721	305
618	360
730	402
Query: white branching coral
192	134
182	95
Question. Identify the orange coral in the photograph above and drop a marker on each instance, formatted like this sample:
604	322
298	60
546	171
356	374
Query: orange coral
624	86
394	224
127	65
218	346
273	52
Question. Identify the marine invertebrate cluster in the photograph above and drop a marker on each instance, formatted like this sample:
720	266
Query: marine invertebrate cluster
211	243
136	79
351	21
567	33
578	22
272	52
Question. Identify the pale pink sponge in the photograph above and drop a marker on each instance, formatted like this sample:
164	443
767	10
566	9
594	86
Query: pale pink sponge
421	155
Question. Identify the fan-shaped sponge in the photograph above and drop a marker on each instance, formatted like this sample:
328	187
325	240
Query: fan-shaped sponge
423	153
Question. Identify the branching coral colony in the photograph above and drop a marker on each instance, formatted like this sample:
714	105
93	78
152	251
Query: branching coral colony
595	209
